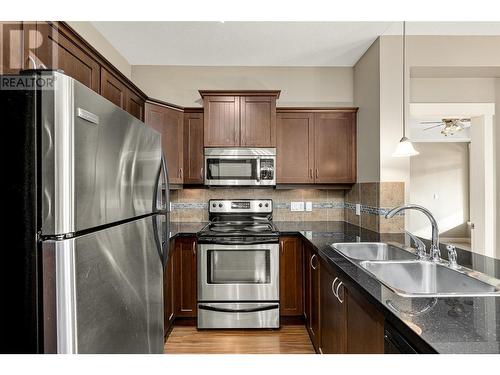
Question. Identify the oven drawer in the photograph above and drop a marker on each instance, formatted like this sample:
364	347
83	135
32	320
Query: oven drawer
231	273
238	315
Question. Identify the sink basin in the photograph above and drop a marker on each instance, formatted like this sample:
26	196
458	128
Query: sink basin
427	279
373	251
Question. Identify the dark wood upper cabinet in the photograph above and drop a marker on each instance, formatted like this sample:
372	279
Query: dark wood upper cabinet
294	148
134	104
316	146
335	147
291	277
193	147
113	89
169	123
185	292
221	121
258	121
239	118
54	49
11	36
55	45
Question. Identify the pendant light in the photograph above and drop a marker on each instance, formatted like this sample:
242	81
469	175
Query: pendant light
404	148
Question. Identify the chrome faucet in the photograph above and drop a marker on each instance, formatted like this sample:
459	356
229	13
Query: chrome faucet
434	252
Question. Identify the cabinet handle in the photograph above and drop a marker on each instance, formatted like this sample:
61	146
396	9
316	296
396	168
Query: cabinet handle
180	171
337	290
311	173
32	60
281	245
317	173
333	287
311	261
194	249
201	173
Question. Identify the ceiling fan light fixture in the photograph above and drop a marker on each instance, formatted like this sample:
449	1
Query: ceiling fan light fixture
404	149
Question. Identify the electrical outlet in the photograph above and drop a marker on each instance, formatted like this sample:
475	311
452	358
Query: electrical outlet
297	206
358	209
309	206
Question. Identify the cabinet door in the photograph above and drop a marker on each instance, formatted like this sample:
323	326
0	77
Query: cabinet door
221	121
185	278
134	104
193	148
55	50
294	148
291	279
113	89
169	123
365	325
258	121
333	314
168	291
335	147
313	283
11	53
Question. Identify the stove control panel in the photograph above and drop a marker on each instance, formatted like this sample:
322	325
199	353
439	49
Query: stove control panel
240	206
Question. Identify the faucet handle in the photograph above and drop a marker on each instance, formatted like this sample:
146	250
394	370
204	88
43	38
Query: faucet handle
452	256
419	244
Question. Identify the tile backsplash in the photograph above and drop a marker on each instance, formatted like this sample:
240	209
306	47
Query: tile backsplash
375	198
192	204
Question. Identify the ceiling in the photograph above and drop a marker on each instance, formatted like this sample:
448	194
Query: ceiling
263	43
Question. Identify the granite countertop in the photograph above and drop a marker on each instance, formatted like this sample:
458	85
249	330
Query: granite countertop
446	325
443	325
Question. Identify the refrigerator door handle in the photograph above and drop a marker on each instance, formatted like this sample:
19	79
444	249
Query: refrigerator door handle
163	203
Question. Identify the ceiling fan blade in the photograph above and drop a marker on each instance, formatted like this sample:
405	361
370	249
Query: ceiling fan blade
432	127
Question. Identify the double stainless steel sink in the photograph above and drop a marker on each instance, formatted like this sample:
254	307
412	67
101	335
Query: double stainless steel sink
402	272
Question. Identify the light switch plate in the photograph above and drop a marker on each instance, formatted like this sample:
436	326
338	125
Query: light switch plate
309	206
358	209
297	206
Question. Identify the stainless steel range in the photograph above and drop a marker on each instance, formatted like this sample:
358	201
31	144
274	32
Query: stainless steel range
238	266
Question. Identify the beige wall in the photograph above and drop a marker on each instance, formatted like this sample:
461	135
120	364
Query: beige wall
101	44
440	182
452	90
367	98
300	86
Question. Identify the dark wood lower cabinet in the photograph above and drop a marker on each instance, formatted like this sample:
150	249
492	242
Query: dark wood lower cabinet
365	326
168	291
312	292
349	323
185	278
291	277
333	314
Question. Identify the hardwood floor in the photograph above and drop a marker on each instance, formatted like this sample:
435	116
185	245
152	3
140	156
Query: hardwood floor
290	339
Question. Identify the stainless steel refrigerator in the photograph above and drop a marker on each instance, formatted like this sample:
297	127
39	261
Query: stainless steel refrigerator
87	193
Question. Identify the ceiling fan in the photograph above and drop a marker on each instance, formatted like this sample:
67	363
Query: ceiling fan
450	125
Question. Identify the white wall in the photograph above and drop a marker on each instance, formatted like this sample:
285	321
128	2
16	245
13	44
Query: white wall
439	181
300	86
367	98
101	44
452	90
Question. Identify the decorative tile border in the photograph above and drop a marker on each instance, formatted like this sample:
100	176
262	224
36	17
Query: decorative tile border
370	210
188	206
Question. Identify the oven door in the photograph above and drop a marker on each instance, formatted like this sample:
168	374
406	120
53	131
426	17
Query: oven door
238	272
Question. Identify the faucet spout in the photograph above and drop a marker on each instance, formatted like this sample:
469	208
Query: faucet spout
435	253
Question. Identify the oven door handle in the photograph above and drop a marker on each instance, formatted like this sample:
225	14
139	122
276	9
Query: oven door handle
246	242
249	310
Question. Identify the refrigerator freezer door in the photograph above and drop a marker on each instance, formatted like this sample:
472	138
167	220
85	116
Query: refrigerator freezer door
107	292
99	164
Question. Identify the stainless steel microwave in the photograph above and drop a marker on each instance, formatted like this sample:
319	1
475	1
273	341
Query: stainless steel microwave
240	166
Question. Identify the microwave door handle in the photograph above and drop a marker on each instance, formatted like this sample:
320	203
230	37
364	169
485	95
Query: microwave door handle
248	310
